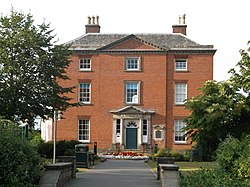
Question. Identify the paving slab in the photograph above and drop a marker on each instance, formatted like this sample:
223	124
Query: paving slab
116	173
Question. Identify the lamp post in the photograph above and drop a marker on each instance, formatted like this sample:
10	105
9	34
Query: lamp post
54	148
57	114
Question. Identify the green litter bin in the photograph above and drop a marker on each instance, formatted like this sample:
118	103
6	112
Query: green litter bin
82	156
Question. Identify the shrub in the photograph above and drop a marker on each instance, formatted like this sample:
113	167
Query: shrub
233	156
45	149
20	164
35	138
213	178
163	153
63	148
182	155
228	152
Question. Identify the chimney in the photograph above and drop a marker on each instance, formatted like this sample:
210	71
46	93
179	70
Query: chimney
181	27
93	25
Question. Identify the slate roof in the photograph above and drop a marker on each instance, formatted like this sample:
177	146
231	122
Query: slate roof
99	41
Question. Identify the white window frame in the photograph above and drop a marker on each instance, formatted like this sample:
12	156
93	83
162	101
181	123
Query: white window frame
87	130
84	93
178	125
145	136
181	64
118	129
84	63
180	93
132	60
135	99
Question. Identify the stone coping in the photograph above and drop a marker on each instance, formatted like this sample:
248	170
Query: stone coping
169	167
59	165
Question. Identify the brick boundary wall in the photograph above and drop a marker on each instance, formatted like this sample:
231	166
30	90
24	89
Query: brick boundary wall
56	174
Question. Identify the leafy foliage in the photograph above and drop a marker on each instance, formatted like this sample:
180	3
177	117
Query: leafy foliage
63	148
210	177
20	164
181	155
233	156
30	67
221	109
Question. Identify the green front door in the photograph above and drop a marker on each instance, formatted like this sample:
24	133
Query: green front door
131	138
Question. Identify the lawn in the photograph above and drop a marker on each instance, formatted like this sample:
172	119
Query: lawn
187	166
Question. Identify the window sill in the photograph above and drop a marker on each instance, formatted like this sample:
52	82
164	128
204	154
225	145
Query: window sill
158	139
132	70
81	70
181	71
180	143
84	141
181	104
132	104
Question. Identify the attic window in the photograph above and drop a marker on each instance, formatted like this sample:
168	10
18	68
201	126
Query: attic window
85	64
180	64
132	64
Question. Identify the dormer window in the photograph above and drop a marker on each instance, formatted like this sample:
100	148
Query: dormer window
132	64
85	64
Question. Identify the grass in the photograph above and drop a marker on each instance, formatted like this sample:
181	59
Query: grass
187	166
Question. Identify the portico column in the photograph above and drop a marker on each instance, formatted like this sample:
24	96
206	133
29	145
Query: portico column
121	134
140	132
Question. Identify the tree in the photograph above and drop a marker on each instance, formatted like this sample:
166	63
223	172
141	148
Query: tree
30	67
241	75
221	109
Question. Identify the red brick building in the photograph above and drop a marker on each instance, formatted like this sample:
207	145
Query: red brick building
132	87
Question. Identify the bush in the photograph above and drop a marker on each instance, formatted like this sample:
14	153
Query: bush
35	138
182	155
213	178
233	156
63	148
20	164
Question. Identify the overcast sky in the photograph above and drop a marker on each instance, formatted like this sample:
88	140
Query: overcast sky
222	23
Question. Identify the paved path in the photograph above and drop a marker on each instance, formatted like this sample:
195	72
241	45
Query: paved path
116	173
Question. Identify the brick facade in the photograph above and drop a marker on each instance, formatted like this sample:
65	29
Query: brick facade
156	77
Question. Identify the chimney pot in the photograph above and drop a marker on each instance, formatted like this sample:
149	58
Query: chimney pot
89	20
93	20
179	19
181	27
184	19
97	20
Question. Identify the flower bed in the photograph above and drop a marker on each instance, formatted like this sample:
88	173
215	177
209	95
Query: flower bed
129	155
